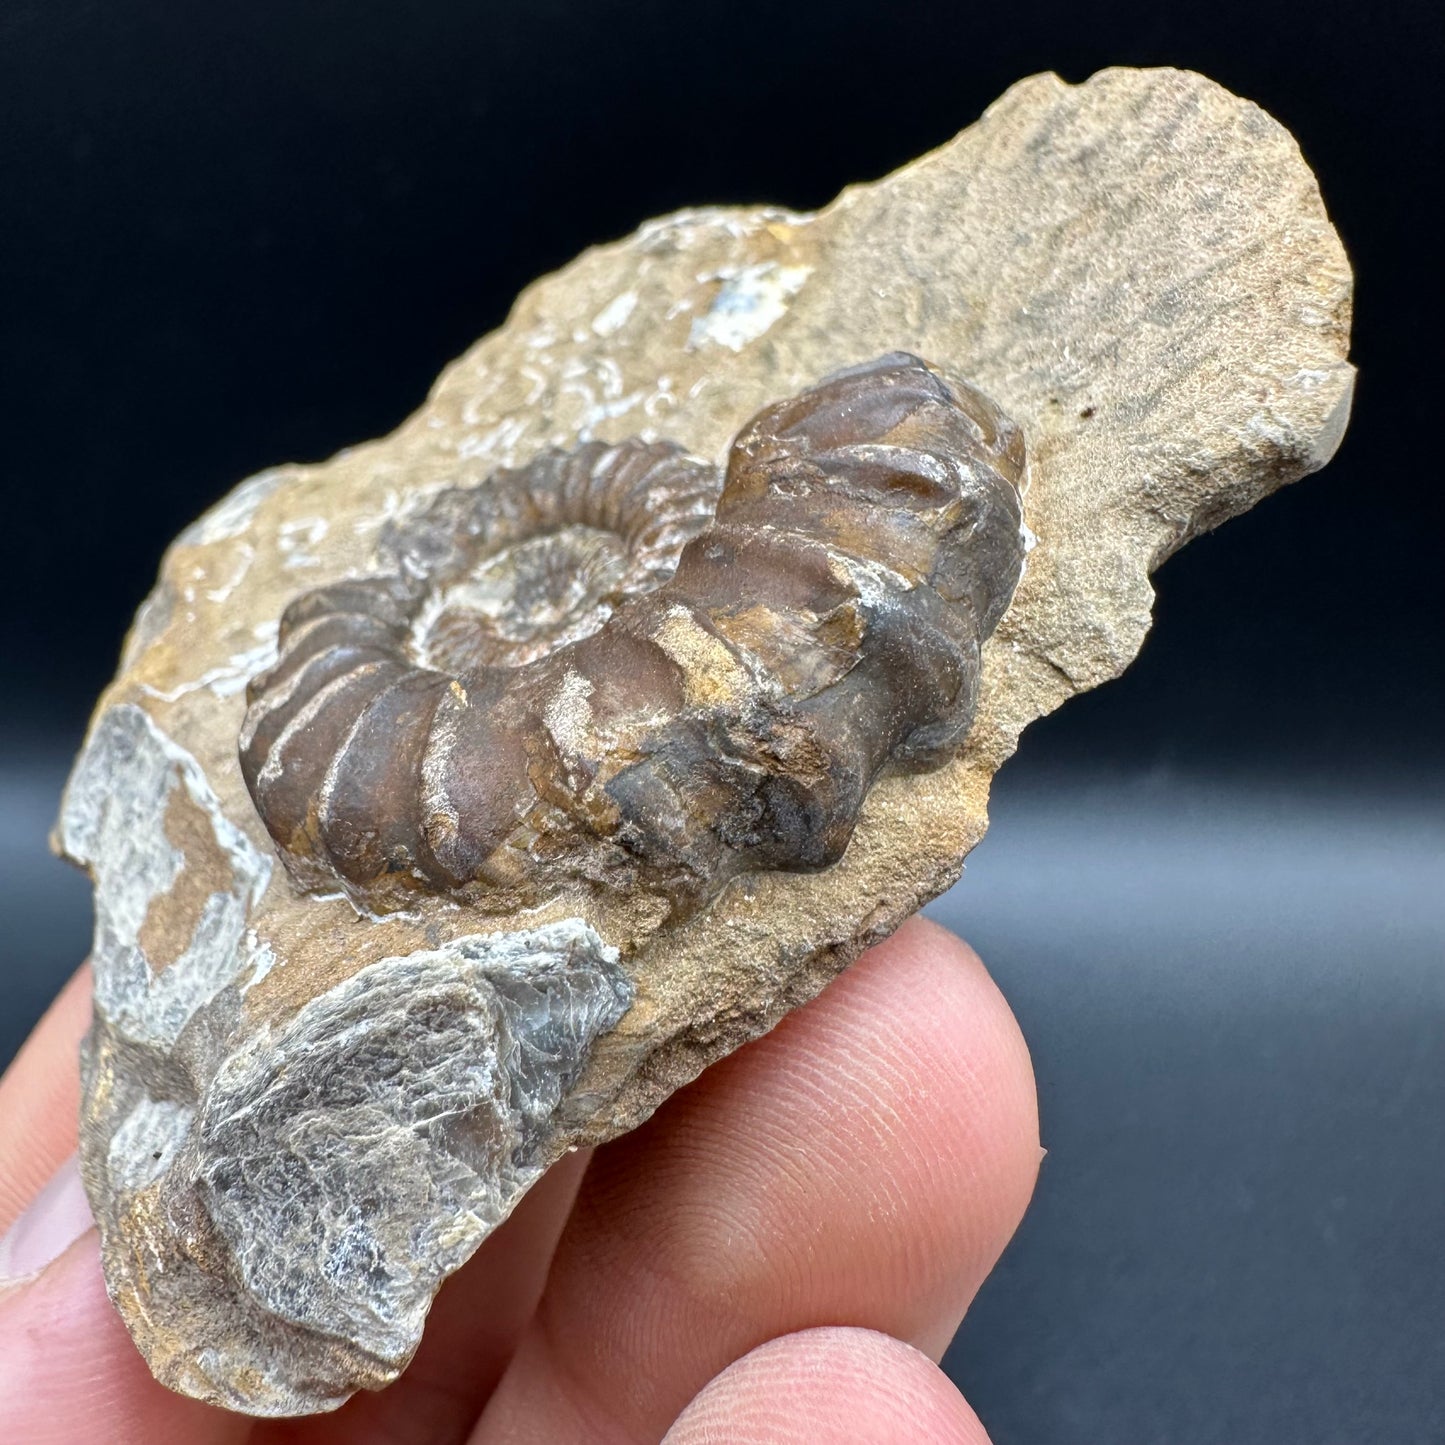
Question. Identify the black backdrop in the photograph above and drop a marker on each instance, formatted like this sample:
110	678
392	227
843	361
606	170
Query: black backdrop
234	235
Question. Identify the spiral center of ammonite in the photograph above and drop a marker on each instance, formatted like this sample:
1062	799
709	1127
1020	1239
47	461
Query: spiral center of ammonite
540	556
523	602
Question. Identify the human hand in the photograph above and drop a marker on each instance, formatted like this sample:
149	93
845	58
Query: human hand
779	1255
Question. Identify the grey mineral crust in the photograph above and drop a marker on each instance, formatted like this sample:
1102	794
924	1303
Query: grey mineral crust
381	1133
297	1117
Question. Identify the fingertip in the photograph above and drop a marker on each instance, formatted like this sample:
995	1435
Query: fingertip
923	1017
52	1221
941	970
69	1371
829	1386
922	932
865	1163
924	1032
40	1099
960	1014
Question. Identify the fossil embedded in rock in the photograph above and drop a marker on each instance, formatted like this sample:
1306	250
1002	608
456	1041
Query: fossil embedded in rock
729	685
588	760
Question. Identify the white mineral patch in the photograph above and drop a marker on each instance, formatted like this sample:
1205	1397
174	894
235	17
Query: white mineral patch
598	389
262	959
113	822
569	713
662	400
230	677
750	301
613	317
497	444
297	537
241	561
232	514
146	1140
695	225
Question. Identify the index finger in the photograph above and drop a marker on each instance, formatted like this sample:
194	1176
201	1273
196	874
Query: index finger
863	1164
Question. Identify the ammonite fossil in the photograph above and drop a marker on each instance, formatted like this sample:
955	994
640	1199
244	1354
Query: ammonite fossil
615	668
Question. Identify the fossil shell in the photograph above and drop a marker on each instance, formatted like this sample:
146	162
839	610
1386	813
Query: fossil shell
613	666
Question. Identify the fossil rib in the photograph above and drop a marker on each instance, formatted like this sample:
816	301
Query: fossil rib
648	695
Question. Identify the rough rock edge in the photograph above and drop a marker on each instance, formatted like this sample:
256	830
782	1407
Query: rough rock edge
1126	474
299	1146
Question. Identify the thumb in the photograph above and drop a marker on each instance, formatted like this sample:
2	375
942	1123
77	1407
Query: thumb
68	1370
46	1228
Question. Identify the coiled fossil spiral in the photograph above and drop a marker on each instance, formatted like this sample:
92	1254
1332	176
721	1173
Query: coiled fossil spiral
615	668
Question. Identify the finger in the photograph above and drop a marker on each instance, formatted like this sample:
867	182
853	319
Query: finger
40	1100
863	1164
471	1333
829	1387
69	1372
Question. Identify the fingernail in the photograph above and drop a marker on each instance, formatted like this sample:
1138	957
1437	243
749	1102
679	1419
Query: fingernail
54	1220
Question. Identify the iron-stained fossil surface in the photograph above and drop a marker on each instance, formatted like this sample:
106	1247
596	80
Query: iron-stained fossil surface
461	797
736	700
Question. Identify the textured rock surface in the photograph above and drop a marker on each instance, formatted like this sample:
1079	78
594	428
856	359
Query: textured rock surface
298	1117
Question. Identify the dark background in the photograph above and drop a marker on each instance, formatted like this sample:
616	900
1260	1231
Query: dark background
1213	890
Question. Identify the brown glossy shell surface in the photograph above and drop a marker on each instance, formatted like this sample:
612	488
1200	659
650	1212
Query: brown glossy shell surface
615	666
